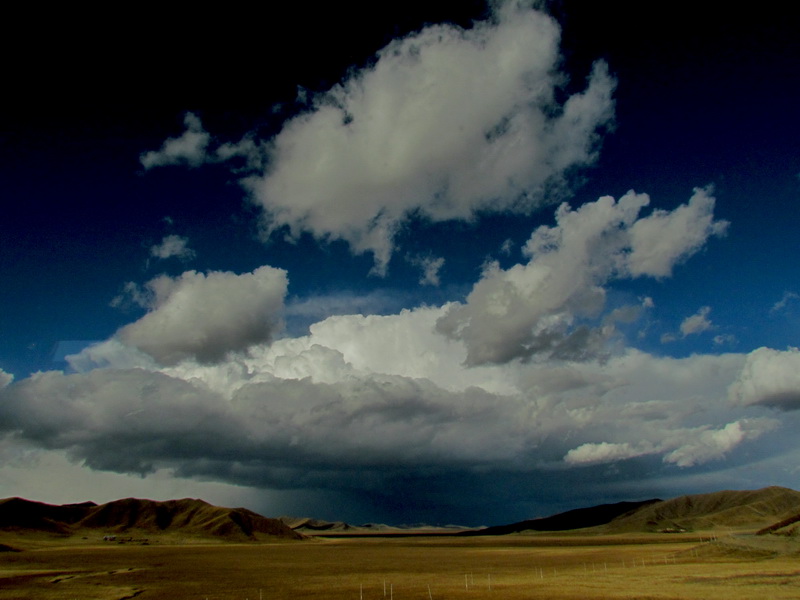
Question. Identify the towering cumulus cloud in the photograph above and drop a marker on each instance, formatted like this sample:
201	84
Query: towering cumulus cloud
446	122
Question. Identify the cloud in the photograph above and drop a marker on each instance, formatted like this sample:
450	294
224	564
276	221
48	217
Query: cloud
189	149
697	323
785	302
5	378
601	453
713	444
415	400
725	339
203	317
667	238
131	295
173	246
397	140
769	378
430	268
300	313
368	404
29	472
550	306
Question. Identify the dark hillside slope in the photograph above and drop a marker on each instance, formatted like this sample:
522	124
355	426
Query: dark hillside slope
21	514
578	518
788	526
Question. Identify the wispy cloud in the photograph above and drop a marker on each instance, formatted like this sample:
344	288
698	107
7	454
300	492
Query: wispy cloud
788	299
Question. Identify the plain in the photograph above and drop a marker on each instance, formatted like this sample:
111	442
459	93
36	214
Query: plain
567	566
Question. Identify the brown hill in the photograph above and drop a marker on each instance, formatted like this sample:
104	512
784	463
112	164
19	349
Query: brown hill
186	517
750	509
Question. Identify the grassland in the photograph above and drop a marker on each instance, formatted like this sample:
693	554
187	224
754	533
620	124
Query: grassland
641	566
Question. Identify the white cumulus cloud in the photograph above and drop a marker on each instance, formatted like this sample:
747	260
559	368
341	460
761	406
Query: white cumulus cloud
546	307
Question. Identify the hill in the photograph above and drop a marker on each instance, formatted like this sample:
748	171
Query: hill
132	516
310	526
318	527
768	510
578	518
734	510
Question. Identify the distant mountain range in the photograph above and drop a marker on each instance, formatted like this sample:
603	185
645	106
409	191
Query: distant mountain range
772	510
139	518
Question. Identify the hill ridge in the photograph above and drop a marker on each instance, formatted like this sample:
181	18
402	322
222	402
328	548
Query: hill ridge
732	509
188	516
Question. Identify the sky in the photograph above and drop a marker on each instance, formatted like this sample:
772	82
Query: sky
472	263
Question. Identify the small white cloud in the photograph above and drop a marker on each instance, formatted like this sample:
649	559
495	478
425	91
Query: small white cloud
697	323
173	246
667	238
188	149
603	452
430	268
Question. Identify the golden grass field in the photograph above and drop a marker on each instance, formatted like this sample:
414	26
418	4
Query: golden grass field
569	566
